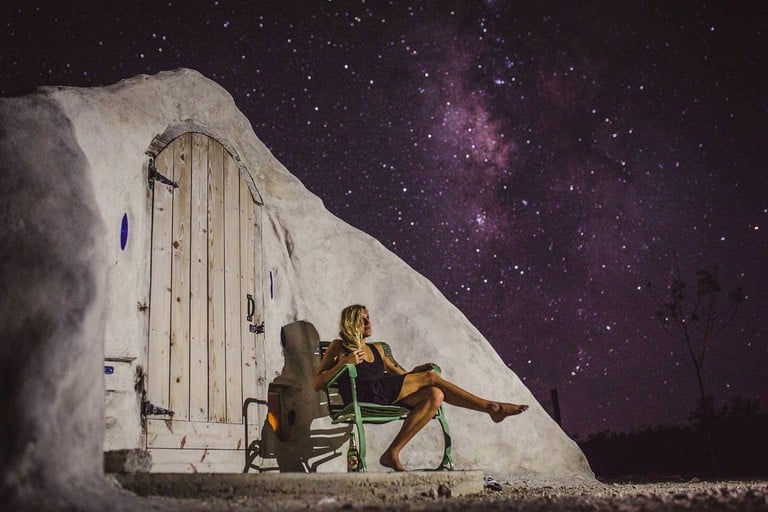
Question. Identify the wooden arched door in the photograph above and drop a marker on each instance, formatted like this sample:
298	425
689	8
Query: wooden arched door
205	343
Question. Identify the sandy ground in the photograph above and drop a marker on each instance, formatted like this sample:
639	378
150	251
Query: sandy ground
749	495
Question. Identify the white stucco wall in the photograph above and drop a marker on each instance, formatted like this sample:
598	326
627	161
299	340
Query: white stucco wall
319	265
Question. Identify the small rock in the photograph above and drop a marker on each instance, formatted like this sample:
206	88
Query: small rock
491	483
444	491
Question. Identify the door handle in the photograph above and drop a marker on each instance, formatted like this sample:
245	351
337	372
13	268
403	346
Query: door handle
251	307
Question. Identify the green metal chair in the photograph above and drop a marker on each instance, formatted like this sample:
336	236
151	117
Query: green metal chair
359	413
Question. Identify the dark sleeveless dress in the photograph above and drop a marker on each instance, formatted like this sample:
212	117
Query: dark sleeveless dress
374	383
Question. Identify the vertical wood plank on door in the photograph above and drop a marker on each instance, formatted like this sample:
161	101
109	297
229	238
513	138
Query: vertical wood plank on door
217	400
232	289
179	357
259	286
160	284
198	272
247	286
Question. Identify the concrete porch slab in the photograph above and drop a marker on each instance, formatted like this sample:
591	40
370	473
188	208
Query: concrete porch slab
218	485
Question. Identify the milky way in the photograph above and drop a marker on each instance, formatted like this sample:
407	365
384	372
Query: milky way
538	163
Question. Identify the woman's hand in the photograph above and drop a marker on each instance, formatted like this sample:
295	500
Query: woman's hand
424	367
355	357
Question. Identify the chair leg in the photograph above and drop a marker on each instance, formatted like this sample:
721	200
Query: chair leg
447	462
362	466
251	452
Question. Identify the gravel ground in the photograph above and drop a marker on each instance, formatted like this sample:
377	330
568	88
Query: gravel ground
696	495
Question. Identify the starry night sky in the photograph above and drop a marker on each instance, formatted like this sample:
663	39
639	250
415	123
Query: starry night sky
538	163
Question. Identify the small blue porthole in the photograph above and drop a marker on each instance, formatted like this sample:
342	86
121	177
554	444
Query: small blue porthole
124	232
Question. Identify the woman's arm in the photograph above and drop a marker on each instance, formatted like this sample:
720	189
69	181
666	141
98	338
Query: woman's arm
333	360
389	362
394	367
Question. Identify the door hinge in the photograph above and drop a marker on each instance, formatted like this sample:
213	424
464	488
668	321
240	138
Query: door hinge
153	175
147	408
256	329
150	409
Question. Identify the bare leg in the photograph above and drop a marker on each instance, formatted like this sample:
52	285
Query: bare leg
457	396
425	403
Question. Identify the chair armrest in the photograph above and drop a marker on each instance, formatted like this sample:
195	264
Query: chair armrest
348	368
351	370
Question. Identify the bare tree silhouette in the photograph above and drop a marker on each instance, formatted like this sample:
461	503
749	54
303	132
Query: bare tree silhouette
698	318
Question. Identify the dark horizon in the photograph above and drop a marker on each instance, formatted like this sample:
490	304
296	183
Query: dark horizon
538	163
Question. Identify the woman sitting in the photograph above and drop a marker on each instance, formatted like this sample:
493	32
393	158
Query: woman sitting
381	380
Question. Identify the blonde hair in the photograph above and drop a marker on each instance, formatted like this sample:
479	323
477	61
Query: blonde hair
350	327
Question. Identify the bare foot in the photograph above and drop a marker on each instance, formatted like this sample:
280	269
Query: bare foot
391	461
500	410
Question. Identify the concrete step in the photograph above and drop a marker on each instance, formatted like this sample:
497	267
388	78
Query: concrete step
218	485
